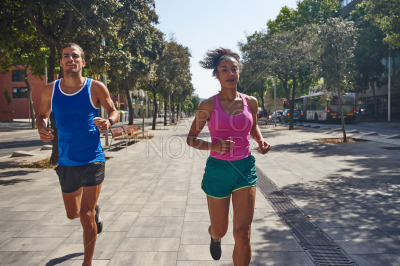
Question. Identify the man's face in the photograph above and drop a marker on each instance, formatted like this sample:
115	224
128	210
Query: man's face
71	60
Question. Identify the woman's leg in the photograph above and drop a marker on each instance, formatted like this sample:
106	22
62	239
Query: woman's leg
243	201
219	216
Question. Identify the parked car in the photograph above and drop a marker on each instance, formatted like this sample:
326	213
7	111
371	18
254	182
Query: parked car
262	114
285	117
277	114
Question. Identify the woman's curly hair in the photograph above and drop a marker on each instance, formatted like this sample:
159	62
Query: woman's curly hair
214	57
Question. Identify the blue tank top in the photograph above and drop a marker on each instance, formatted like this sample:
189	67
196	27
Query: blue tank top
78	137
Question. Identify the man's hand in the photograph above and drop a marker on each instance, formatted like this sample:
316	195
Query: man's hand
263	147
101	123
46	134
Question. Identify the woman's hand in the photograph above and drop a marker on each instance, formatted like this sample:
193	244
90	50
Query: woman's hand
263	147
223	146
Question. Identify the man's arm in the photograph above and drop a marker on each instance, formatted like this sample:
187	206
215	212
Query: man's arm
45	133
102	96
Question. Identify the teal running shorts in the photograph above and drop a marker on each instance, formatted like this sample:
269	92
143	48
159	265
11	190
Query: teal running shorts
221	178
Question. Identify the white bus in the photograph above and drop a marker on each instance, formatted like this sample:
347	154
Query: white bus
315	108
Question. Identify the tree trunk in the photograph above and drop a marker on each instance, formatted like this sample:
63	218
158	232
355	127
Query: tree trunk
165	112
153	127
128	98
52	60
260	93
292	104
54	150
172	118
28	86
342	117
373	87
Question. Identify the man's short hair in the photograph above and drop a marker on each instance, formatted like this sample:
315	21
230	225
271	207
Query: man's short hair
71	44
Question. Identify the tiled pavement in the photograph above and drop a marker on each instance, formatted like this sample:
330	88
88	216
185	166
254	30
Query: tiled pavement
155	212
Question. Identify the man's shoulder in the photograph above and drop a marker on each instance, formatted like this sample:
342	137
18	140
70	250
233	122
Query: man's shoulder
97	83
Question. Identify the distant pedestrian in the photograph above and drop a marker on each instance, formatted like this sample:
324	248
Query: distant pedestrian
75	102
230	170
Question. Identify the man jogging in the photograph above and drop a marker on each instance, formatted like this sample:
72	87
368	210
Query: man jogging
75	101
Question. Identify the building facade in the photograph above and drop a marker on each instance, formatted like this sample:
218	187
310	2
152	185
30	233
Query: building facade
17	93
13	83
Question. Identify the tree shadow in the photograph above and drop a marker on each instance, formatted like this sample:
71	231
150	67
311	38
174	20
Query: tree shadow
9	178
56	261
25	143
9	164
363	189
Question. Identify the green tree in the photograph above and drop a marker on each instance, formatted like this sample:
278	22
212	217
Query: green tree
368	55
285	21
283	55
175	63
22	49
386	15
338	42
316	11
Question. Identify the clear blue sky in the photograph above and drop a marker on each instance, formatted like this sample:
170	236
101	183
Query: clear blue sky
208	24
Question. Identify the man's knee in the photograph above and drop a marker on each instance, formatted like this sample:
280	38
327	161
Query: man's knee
72	214
87	217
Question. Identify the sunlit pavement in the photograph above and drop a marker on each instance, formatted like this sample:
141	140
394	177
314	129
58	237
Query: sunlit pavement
155	212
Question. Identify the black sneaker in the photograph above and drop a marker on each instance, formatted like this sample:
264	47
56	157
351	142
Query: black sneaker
215	249
98	220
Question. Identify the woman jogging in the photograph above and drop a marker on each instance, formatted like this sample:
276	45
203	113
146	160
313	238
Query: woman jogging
230	170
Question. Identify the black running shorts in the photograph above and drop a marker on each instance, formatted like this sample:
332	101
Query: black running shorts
73	178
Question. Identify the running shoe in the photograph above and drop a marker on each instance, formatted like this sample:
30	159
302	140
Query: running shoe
215	249
98	220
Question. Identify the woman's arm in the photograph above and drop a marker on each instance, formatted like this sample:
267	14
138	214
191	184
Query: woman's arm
202	115
255	132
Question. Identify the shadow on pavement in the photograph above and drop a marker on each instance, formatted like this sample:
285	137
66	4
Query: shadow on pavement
12	177
24	143
56	261
363	188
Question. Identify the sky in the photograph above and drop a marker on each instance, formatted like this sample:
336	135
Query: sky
209	24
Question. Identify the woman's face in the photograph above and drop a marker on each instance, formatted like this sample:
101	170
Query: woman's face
228	72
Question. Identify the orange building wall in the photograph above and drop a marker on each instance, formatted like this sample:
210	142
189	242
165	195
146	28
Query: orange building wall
19	107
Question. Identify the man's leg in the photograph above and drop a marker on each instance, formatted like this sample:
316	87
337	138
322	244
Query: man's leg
87	213
243	201
72	203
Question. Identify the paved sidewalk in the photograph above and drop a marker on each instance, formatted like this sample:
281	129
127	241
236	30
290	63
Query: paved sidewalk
155	212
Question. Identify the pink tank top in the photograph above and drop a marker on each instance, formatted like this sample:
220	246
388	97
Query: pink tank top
222	125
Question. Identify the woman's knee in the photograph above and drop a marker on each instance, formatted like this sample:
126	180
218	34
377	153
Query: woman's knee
218	232
242	233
